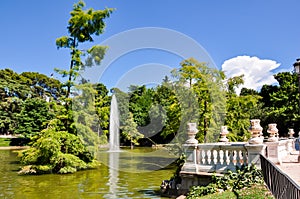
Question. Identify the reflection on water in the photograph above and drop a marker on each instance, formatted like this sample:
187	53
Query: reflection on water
127	174
113	175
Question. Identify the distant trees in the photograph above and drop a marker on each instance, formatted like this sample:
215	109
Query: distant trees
281	103
23	105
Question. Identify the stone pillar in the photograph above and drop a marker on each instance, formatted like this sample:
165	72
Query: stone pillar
254	151
190	168
273	152
190	149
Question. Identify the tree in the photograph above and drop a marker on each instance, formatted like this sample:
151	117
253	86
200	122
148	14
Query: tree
282	103
102	105
82	25
42	86
130	132
200	91
34	116
239	109
68	142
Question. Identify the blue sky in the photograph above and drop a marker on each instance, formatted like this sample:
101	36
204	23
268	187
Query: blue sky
265	33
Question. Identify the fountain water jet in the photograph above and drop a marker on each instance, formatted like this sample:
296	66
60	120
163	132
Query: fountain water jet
114	123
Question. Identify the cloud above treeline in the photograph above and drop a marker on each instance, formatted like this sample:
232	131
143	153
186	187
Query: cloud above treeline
257	72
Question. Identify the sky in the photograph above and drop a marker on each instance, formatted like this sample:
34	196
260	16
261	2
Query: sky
255	38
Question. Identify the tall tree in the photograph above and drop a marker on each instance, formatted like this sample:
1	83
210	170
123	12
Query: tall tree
68	142
82	25
202	98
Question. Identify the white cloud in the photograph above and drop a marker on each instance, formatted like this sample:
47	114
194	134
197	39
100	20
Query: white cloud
257	72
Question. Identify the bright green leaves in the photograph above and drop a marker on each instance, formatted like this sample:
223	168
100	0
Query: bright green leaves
64	42
84	23
34	116
95	55
201	95
55	151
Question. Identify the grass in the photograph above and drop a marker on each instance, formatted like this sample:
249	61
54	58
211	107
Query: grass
4	141
254	192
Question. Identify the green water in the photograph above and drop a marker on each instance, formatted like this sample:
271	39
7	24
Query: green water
129	174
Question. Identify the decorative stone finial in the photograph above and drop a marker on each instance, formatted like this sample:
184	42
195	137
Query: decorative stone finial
223	134
255	130
192	131
291	133
273	131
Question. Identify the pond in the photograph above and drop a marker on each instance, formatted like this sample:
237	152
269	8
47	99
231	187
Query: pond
134	173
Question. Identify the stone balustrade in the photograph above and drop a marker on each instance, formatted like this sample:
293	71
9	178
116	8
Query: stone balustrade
203	160
219	157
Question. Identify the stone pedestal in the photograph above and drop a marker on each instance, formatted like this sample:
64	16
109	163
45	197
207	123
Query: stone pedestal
254	151
276	151
190	165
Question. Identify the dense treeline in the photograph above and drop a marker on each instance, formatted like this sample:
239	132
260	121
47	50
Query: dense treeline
151	115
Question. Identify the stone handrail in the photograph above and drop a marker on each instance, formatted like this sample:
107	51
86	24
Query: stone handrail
219	157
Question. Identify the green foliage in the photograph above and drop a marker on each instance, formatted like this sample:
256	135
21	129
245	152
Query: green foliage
129	130
33	117
253	192
4	141
239	109
245	177
82	25
282	103
201	94
55	151
197	191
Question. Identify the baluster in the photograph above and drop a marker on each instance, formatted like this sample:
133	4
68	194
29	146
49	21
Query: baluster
231	157
227	158
221	157
213	156
245	158
209	159
238	158
200	156
205	157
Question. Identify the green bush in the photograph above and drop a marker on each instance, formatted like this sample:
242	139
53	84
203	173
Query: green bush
244	177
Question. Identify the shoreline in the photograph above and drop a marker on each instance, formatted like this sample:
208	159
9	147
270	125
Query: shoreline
13	147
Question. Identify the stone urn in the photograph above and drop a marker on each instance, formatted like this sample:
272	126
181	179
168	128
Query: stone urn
223	134
255	130
192	131
291	133
273	131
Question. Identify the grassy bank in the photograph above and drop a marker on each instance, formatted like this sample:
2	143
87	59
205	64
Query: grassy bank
4	141
254	192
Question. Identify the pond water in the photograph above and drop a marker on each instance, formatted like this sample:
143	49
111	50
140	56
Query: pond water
134	173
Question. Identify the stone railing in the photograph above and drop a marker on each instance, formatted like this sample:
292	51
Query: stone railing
219	157
203	160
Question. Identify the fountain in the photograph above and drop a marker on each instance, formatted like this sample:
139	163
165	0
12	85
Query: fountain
114	132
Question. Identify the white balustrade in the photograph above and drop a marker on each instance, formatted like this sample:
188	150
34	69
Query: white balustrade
218	157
